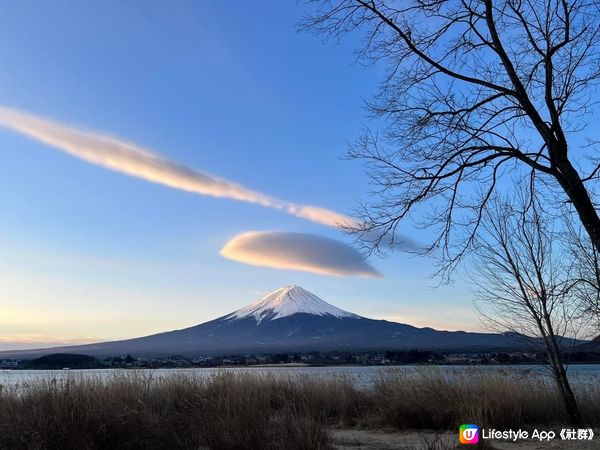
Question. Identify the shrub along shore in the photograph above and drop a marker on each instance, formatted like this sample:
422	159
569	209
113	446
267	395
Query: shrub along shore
228	410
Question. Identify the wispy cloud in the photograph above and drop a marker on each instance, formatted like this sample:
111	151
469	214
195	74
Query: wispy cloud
298	251
128	158
29	341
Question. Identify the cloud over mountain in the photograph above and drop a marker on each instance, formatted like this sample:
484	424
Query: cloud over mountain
298	251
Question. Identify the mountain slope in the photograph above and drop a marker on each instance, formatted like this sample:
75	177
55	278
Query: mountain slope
290	319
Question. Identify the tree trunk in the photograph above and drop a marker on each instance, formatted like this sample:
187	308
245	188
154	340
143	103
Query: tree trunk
571	183
569	399
560	375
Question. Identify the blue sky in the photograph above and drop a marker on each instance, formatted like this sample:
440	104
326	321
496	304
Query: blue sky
229	88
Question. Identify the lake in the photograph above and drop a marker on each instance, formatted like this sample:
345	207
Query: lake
362	376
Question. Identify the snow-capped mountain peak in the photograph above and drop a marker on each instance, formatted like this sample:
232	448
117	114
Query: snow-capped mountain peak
286	301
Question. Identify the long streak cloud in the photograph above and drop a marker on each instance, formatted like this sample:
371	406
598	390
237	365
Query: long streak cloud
121	156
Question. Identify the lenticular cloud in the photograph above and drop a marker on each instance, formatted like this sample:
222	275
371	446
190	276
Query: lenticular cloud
125	157
298	251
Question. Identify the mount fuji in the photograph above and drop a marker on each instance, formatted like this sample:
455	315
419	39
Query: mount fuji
290	319
287	301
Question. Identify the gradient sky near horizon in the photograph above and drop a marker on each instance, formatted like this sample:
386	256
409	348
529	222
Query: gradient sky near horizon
228	88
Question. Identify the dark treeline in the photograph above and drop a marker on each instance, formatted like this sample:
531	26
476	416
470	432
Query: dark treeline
388	357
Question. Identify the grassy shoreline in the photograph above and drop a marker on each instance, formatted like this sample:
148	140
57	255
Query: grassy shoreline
130	410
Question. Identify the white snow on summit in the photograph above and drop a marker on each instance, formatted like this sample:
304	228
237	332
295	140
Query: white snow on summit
286	301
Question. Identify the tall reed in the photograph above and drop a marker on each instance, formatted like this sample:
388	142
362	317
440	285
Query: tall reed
132	410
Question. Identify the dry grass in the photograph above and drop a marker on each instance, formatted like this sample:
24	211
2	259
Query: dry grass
258	411
497	398
131	411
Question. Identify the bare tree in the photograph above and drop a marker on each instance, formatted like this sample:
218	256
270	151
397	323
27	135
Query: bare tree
478	95
523	283
585	260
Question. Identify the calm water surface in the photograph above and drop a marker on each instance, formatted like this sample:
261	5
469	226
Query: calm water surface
361	376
